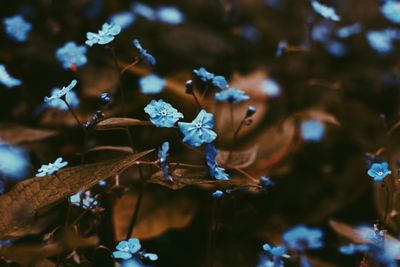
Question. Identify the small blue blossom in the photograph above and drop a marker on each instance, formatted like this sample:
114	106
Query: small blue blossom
347	31
143	10
232	96
163	157
336	48
14	162
276	254
6	79
149	256
266	183
281	49
312	130
143	54
170	15
301	238
84	200
72	55
126	249
162	114
71	97
215	171
378	171
151	84
351	249
391	10
271	88
123	19
325	11
51	168
60	94
220	82
102	183
204	75
250	33
200	130
218	194
321	32
382	41
104	36
17	28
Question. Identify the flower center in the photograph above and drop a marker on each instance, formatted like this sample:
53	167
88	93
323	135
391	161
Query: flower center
163	112
198	125
380	173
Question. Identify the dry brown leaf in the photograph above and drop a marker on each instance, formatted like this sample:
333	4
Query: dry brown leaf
347	231
237	159
125	149
111	123
16	134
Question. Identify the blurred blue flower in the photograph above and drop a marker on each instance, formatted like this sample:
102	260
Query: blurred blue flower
143	54
336	48
391	10
143	11
321	32
170	15
162	114
215	171
51	168
6	79
123	19
301	238
163	157
312	130
266	183
17	28
199	131
250	33
382	41
273	3
325	11
347	31
105	98
232	96
126	249
281	49
71	98
104	36
351	249
132	263
271	88
71	55
152	84
102	183
218	194
60	94
149	256
14	162
378	171
276	254
220	82
203	75
83	199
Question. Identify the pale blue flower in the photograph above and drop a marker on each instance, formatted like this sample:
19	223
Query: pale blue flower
123	19
71	97
347	31
204	75
60	94
217	194
143	10
312	130
378	171
8	80
17	28
336	48
231	96
200	130
321	32
152	84
215	171
302	238
143	54
163	157
104	36
170	15
220	82
14	162
72	55
325	11
271	88
382	41
162	114
126	249
51	168
351	249
391	10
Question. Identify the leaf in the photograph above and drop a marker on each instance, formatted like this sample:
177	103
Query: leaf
16	134
184	177
111	123
20	205
156	216
237	159
347	231
125	149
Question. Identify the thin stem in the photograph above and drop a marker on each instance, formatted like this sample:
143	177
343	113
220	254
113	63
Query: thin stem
197	101
210	243
121	91
204	92
386	204
137	206
73	113
129	66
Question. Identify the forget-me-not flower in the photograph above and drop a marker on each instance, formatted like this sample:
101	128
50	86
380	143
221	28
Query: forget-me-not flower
203	75
336	48
347	31
301	238
200	130
382	41
71	97
217	194
163	157
231	96
351	249
51	168
8	80
17	28
215	171
123	19
271	88
276	254
14	162
143	54
170	15
391	10
104	36
312	130
61	94
378	171
325	11
72	55
143	10
126	249
220	82
151	84
162	114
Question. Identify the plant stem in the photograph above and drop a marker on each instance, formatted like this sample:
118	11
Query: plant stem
387	204
137	206
73	113
211	239
197	101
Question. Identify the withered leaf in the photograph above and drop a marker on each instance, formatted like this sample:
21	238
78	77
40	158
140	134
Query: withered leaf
125	149
347	231
20	205
16	134
237	159
112	123
156	216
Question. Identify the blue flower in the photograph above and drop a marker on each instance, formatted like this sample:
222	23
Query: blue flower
336	48
123	19
162	114
17	28
71	98
60	94
266	183
149	256
347	31
325	11
143	11
215	171
152	84
220	82
204	75
83	199
170	15
51	168
382	41
105	98
391	10
301	238
322	32
218	194
378	171
143	54
163	157
199	131
6	79
231	96
350	249
271	88
312	130
276	254
104	36
126	249
71	55
14	162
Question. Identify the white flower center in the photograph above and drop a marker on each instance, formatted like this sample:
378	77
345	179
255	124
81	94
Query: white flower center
198	125
380	173
163	112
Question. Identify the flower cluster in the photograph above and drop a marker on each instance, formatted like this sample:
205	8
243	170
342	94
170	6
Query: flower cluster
166	14
14	162
51	168
312	130
232	96
301	238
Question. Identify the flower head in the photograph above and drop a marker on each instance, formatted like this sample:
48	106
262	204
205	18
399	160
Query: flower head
301	238
72	55
199	131
104	36
14	162
382	41
347	31
312	130
231	96
215	171
163	157
204	75
17	28
143	54
123	19
378	171
218	194
6	79
170	15
162	114
271	88
71	98
351	249
143	10
391	10
83	199
126	249
325	11
220	82
60	94
266	183
51	168
151	84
